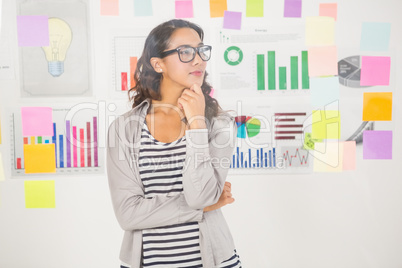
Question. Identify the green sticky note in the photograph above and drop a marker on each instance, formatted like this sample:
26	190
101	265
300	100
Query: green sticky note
40	194
255	8
309	141
326	124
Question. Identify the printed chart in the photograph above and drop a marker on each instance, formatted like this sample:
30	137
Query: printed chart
126	50
75	138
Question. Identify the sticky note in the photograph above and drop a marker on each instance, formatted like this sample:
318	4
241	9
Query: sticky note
217	8
349	155
0	130
33	31
39	158
40	194
328	157
254	8
328	10
322	61
377	106
37	121
2	175
320	31
143	8
326	124
232	20
184	9
375	36
324	90
109	7
377	144
375	71
292	8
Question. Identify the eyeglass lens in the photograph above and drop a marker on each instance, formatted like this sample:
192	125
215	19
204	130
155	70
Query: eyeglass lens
187	54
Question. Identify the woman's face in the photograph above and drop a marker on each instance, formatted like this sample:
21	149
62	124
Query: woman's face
180	74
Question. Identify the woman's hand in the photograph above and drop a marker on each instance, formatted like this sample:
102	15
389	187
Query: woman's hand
192	101
226	198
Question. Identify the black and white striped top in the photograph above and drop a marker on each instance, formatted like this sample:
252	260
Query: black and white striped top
160	166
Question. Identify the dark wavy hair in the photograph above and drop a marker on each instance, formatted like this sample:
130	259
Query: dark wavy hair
147	81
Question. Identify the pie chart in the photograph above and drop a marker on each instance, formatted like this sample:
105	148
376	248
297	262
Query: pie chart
247	126
233	55
349	70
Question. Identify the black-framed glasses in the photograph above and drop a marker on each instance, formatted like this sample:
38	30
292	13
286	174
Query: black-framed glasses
187	53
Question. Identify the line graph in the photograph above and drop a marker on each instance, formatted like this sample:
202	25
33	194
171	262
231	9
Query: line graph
294	156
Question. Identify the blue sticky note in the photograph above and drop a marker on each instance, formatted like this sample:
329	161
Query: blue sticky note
324	90
143	8
375	36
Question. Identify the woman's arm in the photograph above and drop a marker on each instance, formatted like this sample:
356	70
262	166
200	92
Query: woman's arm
132	210
207	161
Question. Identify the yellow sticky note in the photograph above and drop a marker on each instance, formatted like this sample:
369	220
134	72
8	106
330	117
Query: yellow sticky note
255	8
326	124
328	157
377	106
40	194
39	158
217	8
320	31
2	176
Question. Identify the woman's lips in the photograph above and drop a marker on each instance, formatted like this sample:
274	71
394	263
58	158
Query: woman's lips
197	73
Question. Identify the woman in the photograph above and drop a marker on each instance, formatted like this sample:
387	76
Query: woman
169	156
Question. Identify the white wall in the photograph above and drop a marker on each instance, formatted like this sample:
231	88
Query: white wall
349	219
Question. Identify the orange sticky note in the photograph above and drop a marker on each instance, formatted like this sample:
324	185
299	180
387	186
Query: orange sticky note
217	8
329	10
377	106
322	61
40	194
39	158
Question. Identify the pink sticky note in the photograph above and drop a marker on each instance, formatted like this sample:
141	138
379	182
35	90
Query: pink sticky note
33	31
377	144
349	155
329	10
37	121
109	7
322	61
293	9
375	71
184	9
232	20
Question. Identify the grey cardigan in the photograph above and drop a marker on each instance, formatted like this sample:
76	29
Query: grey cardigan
207	162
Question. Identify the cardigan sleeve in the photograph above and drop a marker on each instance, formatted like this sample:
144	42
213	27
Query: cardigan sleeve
133	211
207	161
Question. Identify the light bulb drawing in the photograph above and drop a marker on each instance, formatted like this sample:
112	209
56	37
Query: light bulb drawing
60	36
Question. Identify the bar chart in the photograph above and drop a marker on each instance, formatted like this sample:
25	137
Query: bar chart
126	50
273	76
75	142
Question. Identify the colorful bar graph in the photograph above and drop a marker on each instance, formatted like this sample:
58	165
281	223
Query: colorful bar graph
282	78
294	72
271	70
260	72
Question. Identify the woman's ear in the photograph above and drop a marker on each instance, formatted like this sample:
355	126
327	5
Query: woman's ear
157	64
